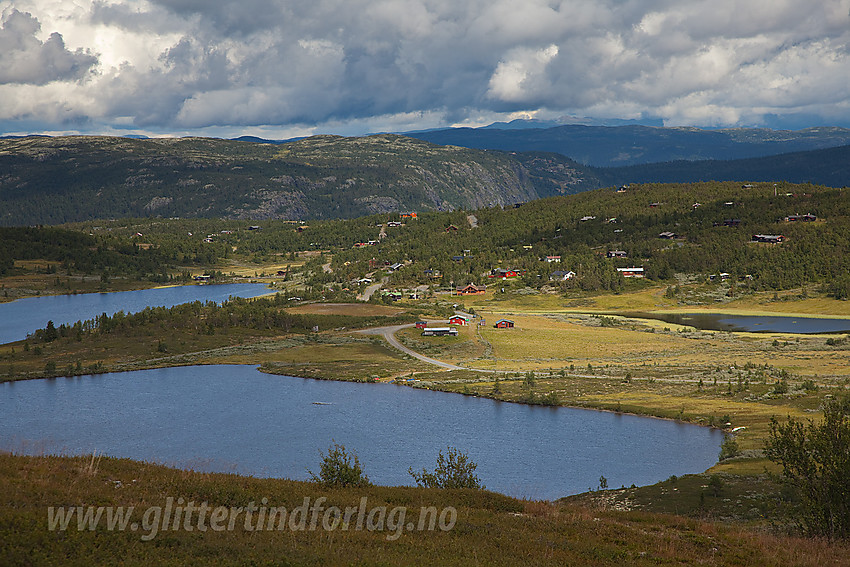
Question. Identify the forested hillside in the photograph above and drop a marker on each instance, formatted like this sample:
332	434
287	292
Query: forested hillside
711	225
56	180
617	146
829	167
86	254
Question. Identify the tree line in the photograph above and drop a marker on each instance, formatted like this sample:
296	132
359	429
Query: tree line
262	314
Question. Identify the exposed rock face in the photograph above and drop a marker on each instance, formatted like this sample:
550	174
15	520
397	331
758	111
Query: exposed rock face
158	202
52	180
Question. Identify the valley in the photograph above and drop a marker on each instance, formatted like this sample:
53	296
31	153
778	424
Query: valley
574	340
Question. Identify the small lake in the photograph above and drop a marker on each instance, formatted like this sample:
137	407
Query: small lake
24	316
749	323
236	419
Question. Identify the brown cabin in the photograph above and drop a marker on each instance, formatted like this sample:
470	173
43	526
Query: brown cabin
471	289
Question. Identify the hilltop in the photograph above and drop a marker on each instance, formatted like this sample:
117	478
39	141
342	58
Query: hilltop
65	179
693	230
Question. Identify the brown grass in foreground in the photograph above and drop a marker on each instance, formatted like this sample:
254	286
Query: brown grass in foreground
491	529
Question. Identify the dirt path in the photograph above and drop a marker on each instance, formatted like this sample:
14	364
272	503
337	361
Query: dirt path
370	290
389	335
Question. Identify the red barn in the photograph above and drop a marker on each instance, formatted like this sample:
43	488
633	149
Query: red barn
504	324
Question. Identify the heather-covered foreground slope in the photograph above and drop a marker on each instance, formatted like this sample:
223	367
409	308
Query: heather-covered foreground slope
489	529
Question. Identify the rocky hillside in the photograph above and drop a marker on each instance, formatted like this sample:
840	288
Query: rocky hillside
47	180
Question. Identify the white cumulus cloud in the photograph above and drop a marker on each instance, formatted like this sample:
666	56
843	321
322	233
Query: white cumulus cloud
26	59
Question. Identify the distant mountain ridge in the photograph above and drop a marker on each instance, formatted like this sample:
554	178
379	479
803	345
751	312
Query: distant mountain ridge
618	146
46	180
830	167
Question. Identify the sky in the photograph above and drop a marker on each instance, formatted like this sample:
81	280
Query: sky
285	68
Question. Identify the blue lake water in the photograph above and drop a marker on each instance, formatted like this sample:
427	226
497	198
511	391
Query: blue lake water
236	419
750	323
23	316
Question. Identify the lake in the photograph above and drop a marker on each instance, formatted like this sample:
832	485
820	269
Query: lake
24	316
749	323
237	419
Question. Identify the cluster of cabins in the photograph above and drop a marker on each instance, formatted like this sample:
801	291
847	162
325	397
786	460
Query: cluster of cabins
563	275
458	319
808	217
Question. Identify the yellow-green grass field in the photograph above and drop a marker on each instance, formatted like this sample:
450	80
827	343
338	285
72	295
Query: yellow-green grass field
352	309
244	268
653	300
465	348
540	342
544	342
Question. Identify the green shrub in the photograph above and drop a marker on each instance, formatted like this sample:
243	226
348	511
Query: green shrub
339	469
454	470
729	448
715	485
815	460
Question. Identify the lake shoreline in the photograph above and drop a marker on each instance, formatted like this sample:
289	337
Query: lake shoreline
433	387
655	448
25	315
742	323
429	386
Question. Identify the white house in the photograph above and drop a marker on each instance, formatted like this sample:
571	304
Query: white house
631	272
561	275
